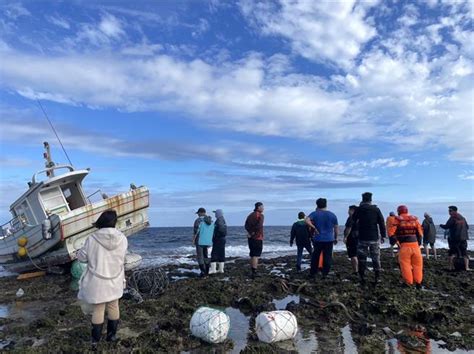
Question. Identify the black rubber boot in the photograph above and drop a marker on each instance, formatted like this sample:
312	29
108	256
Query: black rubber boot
96	333
202	267
112	330
377	277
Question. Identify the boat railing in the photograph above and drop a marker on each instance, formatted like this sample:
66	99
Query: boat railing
13	226
102	195
49	169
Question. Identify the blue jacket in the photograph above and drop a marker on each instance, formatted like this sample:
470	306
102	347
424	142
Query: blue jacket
206	231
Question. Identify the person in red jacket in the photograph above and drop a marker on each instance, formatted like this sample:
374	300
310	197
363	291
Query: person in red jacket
408	232
254	228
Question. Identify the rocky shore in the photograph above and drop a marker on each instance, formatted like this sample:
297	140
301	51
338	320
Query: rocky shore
334	315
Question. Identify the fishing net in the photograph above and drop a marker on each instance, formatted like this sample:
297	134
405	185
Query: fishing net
149	281
276	326
210	325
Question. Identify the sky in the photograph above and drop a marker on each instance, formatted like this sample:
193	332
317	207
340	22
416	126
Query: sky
224	103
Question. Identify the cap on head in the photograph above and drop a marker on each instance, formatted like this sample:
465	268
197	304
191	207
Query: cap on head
427	215
453	208
367	197
392	213
218	212
201	211
402	209
258	205
107	219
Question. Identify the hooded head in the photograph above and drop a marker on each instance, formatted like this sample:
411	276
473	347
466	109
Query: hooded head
218	213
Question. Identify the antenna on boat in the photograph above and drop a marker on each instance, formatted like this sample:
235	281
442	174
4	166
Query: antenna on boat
54	130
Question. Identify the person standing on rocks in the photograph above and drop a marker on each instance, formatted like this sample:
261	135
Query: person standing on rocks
351	239
458	236
204	241
254	228
390	220
103	281
218	243
300	233
326	228
429	235
201	213
408	232
371	226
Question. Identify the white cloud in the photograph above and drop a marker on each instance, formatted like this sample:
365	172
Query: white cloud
14	10
317	30
109	29
468	176
58	21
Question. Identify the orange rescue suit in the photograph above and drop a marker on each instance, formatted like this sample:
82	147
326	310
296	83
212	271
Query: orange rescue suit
389	224
408	232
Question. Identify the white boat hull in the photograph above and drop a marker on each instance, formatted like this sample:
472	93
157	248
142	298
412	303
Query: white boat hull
70	230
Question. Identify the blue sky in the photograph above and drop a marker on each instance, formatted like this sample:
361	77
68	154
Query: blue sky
221	104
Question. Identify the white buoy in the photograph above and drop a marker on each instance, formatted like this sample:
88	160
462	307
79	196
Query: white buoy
276	326
210	325
132	261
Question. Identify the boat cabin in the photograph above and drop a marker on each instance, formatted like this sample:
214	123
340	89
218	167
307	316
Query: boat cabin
55	195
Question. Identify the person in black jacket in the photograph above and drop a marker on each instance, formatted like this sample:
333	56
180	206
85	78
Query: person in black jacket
218	243
301	233
458	236
351	238
371	226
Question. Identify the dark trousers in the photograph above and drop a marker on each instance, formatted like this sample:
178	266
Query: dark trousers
326	249
218	250
299	255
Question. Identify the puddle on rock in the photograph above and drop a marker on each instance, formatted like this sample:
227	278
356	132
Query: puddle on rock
280	304
4	311
239	328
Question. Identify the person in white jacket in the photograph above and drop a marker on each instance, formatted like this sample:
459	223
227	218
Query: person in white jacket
103	281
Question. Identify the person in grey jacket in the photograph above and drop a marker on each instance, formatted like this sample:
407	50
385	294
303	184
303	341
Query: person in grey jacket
429	235
218	243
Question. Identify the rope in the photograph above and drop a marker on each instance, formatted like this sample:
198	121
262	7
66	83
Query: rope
54	130
32	262
149	281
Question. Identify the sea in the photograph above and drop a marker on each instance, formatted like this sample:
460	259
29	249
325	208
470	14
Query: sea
173	245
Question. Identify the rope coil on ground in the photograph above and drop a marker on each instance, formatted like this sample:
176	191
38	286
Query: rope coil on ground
149	281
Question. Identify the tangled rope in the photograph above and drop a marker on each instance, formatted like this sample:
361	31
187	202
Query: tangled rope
149	281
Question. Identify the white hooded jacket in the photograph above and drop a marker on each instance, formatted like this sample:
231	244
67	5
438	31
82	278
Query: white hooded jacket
104	278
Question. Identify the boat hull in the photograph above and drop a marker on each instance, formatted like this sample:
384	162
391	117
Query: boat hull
70	231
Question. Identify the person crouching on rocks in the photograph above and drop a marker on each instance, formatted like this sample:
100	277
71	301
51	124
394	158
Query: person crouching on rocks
218	243
408	232
300	232
103	281
204	241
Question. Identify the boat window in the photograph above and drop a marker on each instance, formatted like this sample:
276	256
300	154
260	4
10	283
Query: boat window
73	195
24	214
53	201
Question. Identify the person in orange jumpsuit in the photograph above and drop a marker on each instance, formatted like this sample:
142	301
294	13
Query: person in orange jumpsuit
408	232
390	220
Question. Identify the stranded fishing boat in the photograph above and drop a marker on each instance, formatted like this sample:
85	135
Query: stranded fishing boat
53	218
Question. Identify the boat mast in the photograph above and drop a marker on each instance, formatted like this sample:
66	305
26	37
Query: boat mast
49	162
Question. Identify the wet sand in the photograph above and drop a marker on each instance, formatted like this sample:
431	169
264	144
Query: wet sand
334	315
